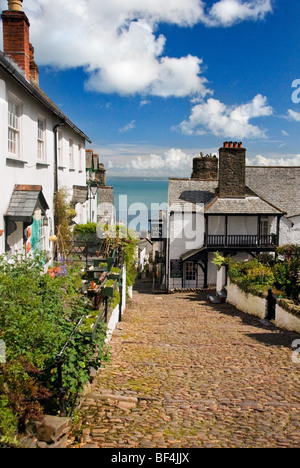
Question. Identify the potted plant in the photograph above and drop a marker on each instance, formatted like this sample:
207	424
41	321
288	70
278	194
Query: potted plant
109	288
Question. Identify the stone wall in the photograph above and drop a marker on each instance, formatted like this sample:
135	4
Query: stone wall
247	303
232	166
257	306
205	168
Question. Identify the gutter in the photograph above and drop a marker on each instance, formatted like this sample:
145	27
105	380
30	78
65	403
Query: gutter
13	72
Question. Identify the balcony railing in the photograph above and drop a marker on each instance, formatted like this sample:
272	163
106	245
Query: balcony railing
242	241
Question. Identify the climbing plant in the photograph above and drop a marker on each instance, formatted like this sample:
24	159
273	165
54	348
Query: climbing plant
63	214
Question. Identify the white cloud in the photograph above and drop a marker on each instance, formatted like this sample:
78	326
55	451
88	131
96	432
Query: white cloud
228	12
294	115
130	126
227	121
118	44
259	160
144	102
170	162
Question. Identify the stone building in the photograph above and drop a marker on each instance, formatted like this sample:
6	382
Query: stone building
229	208
101	196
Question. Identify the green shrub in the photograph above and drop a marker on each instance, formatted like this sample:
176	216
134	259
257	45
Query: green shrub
251	275
38	314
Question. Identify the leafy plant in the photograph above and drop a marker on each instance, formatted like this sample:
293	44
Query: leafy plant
289	251
220	261
252	274
63	216
38	315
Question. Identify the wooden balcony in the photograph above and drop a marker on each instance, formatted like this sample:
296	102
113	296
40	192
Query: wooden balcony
242	241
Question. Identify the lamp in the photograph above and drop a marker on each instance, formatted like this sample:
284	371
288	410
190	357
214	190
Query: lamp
45	221
94	189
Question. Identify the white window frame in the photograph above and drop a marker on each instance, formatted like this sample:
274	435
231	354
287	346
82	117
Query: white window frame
41	139
264	226
71	154
60	151
190	271
14	113
79	157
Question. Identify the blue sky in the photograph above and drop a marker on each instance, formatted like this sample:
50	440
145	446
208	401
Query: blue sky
155	82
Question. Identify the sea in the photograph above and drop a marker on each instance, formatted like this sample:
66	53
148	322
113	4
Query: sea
138	199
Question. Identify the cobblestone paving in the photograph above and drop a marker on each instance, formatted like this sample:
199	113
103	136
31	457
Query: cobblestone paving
185	373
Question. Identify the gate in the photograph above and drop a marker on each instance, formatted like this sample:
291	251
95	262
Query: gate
271	305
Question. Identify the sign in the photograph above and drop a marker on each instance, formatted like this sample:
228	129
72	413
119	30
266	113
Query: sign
176	268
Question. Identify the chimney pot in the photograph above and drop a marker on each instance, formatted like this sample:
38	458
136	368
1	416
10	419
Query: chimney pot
15	5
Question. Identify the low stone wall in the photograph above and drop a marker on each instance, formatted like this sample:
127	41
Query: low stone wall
114	318
257	306
247	303
285	319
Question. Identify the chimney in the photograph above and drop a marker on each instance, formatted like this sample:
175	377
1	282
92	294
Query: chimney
232	167
16	43
205	167
33	68
100	175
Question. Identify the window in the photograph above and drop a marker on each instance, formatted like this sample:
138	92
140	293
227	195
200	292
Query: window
14	128
264	226
41	151
190	271
60	148
71	154
79	158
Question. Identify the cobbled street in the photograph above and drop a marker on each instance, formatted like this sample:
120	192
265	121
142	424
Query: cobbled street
186	373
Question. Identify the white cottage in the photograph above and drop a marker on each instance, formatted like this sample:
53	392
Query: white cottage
229	208
41	149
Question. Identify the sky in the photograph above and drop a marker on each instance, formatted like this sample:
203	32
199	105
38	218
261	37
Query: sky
155	82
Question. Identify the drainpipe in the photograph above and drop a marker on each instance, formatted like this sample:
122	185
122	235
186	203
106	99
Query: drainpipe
55	129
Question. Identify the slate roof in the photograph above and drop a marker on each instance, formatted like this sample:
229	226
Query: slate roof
280	185
251	204
32	88
271	190
190	191
25	199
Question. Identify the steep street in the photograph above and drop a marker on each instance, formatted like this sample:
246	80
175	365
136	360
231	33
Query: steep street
186	373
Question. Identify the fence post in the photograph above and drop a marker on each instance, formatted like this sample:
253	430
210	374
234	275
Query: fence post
271	305
105	308
121	297
61	391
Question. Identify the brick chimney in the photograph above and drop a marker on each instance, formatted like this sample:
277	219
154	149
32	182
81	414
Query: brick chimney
16	43
232	167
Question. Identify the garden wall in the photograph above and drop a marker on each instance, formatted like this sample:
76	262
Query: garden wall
114	318
257	306
285	319
248	303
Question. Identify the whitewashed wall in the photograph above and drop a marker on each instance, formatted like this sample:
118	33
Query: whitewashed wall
30	173
247	303
290	230
257	306
185	233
